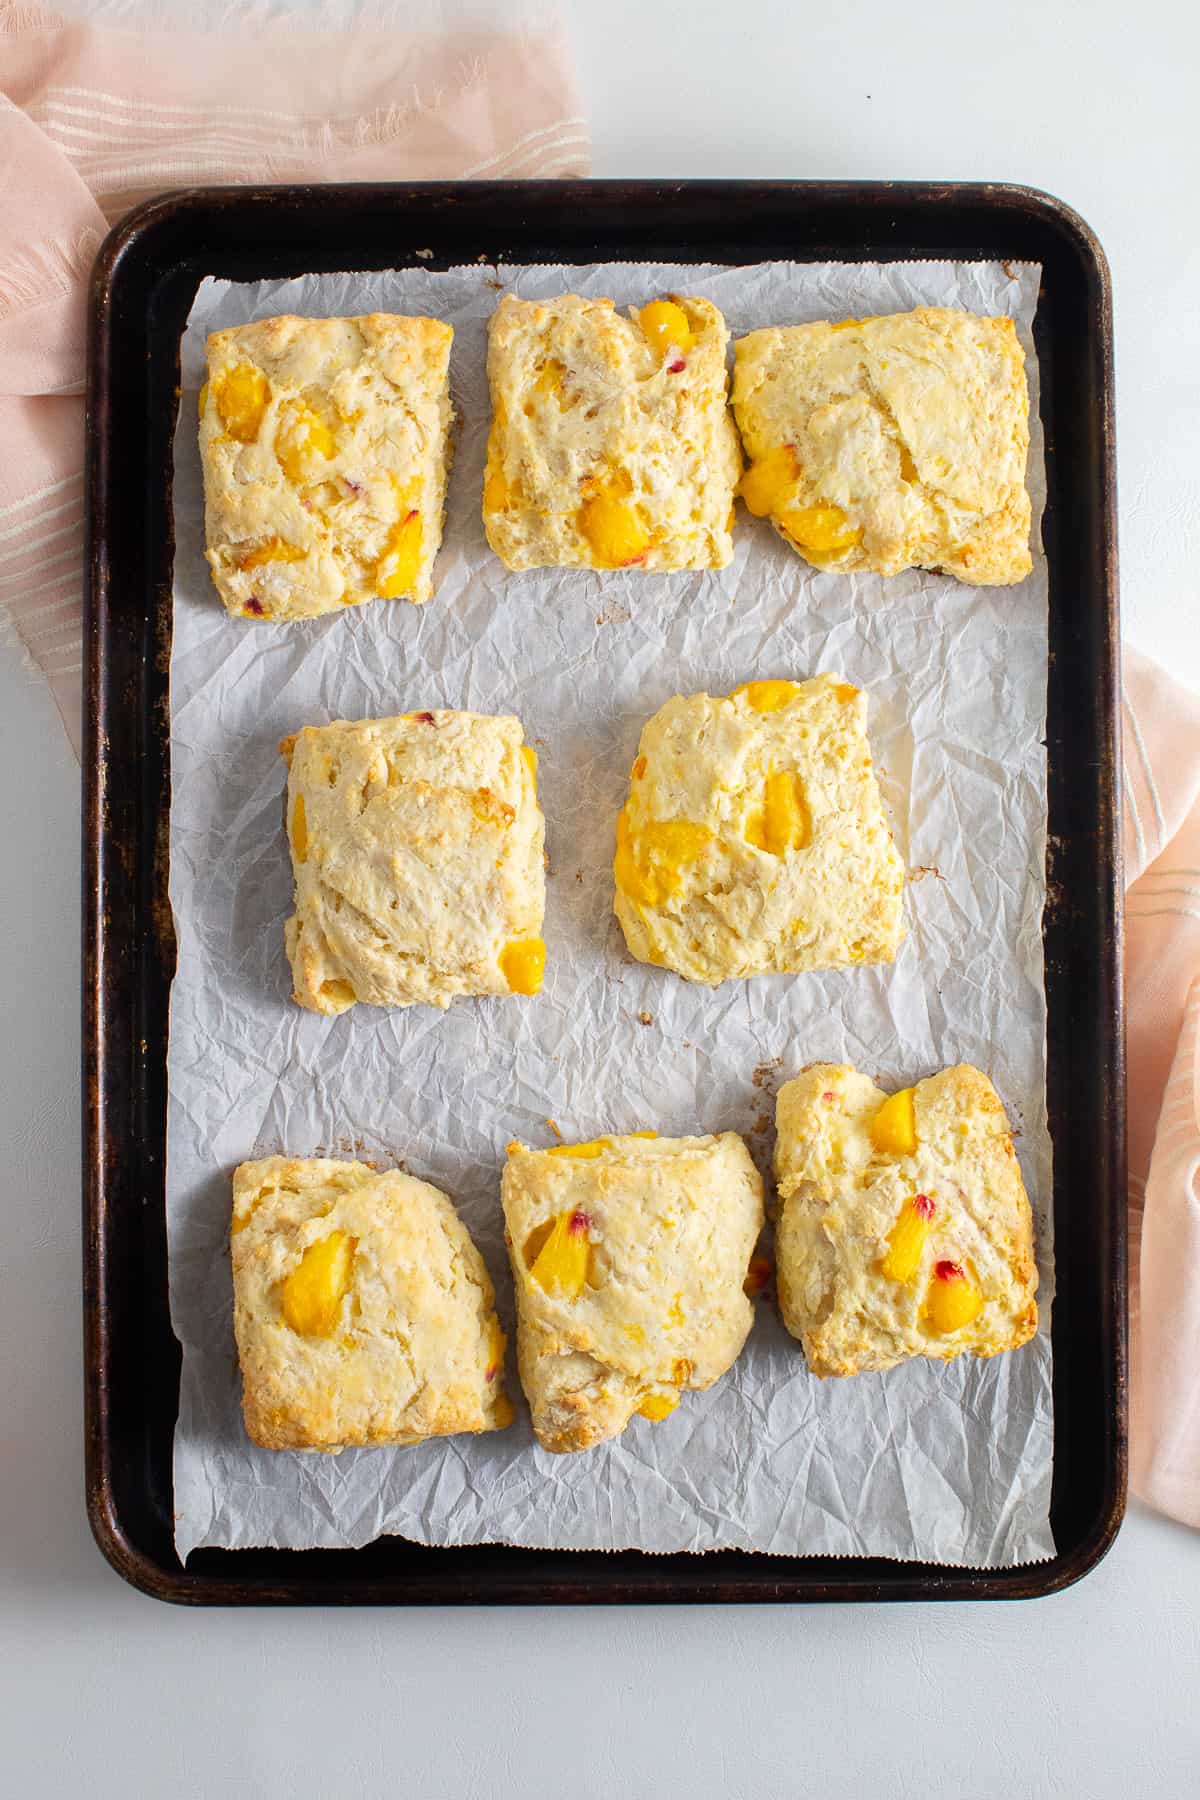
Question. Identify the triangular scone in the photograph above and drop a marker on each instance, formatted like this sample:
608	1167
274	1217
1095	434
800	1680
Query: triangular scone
904	1229
629	1257
363	1311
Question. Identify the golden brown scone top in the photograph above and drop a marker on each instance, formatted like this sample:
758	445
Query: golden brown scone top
904	1229
363	1312
891	443
629	1256
325	447
754	839
611	444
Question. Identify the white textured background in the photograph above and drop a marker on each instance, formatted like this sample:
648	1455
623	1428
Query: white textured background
1090	1695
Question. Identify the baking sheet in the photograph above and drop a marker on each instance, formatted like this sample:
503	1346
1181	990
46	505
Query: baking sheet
938	1462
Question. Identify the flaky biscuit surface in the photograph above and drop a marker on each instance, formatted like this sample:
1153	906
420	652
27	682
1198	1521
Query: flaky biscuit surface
891	443
611	445
900	1236
754	840
362	1310
325	445
629	1256
417	849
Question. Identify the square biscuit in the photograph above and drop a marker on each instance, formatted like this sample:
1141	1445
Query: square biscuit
325	449
363	1312
417	852
904	1228
611	443
754	840
629	1257
891	443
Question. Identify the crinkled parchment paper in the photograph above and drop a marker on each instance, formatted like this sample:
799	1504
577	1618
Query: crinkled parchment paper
945	1462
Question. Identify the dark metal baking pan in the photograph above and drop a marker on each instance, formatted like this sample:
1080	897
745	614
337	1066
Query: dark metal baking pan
143	286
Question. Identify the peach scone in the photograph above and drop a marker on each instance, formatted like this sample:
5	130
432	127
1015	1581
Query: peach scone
630	1257
754	839
417	853
891	443
611	444
904	1227
325	450
363	1311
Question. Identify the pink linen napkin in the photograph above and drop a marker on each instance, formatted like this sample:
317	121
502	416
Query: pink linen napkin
95	116
1162	987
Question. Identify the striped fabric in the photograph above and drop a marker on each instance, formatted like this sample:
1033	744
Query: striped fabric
96	116
1162	984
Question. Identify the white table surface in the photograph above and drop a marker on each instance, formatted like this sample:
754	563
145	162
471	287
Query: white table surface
1092	1693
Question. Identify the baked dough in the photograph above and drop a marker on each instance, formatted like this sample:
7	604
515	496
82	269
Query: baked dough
362	1310
417	850
754	840
611	443
891	443
325	447
629	1256
905	1229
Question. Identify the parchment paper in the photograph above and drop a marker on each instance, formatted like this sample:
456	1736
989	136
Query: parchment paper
942	1462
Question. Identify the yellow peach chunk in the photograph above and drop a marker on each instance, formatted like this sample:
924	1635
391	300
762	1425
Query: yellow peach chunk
301	435
638	769
502	1413
907	1239
768	484
785	823
400	564
337	996
952	1300
523	964
657	1406
580	1152
489	809
894	1127
627	873
614	528
561	1265
242	394
766	696
496	493
299	830
588	1152
822	529
497	1343
313	1292
531	761
271	550
665	327
549	379
650	869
